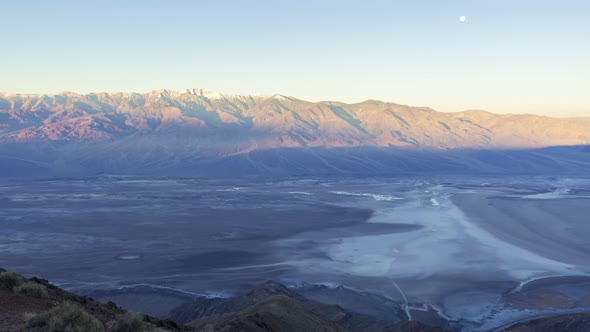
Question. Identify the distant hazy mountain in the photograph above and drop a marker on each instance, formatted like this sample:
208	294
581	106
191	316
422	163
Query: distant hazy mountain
196	129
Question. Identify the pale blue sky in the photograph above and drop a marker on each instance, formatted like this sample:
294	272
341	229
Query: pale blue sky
510	56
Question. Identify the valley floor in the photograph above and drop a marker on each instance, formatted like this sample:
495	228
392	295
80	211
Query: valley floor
470	253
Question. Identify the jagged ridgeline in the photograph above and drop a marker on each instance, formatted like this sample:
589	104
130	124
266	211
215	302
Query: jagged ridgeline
200	132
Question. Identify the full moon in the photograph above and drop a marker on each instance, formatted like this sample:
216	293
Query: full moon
462	18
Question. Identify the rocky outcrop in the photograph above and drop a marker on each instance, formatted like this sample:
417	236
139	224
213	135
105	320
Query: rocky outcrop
274	307
35	305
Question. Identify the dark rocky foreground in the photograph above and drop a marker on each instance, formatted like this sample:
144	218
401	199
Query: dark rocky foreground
274	305
30	305
35	305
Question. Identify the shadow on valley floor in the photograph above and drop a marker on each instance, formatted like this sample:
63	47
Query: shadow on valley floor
141	157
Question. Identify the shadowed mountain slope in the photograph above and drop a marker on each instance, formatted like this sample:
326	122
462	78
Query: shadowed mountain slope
274	307
35	305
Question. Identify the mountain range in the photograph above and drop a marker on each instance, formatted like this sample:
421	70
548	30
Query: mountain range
202	132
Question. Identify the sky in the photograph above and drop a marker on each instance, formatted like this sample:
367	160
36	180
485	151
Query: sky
509	56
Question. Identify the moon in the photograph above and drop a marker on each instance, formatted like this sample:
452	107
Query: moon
462	19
